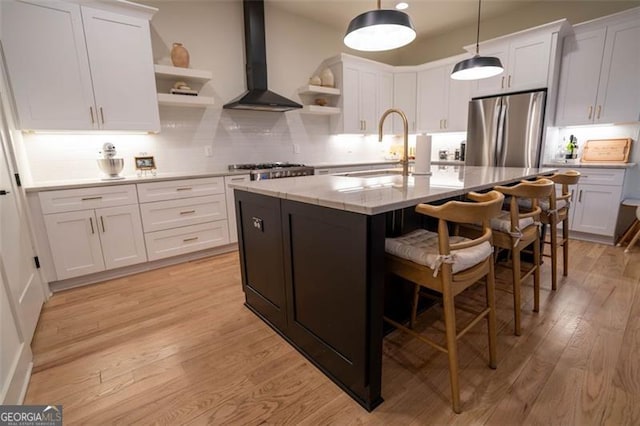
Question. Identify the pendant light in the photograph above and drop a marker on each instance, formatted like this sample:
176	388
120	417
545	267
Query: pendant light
380	29
477	67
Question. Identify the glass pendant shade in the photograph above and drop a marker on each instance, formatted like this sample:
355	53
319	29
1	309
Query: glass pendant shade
378	30
477	68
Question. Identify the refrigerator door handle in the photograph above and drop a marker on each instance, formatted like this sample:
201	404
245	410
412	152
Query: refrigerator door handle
501	141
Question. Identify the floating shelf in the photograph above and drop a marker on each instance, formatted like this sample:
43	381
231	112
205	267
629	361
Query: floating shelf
320	110
166	72
310	89
184	100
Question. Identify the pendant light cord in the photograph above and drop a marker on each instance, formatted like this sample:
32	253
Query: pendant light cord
478	30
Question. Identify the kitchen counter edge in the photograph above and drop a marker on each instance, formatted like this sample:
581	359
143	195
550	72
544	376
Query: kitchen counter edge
591	165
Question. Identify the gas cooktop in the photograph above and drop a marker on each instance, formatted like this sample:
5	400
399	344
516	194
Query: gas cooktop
260	171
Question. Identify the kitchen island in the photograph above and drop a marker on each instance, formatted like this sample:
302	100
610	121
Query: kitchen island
312	258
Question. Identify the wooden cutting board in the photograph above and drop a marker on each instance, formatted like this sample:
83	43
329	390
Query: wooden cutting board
606	150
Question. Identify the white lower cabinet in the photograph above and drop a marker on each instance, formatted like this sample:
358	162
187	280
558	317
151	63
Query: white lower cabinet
596	209
231	205
183	216
88	241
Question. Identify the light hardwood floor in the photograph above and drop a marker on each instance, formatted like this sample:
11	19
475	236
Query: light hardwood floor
177	346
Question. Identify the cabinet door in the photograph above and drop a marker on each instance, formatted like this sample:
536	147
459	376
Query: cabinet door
404	98
121	235
231	205
432	99
619	88
385	99
458	100
367	101
497	84
74	242
122	70
528	63
47	61
579	74
594	205
352	121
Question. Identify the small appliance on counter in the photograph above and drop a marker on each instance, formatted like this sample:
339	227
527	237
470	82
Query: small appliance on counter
109	164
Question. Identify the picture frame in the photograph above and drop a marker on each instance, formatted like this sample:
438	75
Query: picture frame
146	162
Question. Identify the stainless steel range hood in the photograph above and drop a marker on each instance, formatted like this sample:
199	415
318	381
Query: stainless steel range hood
258	97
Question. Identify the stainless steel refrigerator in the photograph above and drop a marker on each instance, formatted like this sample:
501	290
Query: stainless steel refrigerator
506	130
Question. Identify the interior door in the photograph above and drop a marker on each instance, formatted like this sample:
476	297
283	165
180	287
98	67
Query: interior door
16	250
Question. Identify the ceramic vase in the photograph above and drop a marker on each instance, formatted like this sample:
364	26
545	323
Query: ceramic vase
327	78
179	56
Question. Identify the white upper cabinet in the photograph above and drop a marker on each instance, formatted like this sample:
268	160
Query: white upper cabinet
385	98
442	103
122	70
526	57
73	67
599	75
404	99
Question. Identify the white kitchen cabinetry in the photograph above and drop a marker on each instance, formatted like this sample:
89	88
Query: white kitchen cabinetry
442	103
404	98
526	58
92	240
231	205
183	216
166	76
385	98
74	67
599	76
596	201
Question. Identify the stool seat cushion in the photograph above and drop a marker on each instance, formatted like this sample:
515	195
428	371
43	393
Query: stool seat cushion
503	222
544	204
421	246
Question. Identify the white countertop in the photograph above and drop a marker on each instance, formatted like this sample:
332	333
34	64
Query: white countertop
590	165
84	183
374	195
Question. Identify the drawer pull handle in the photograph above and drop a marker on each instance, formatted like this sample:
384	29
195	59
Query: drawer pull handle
188	212
509	81
102	222
91	223
91	112
186	188
91	198
590	112
237	179
599	111
186	240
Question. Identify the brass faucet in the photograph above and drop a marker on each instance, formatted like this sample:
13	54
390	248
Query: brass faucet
405	133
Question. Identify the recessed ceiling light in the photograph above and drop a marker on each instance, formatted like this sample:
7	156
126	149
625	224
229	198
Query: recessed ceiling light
402	5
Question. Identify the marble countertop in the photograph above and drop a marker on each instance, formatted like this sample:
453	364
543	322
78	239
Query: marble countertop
93	182
590	165
378	194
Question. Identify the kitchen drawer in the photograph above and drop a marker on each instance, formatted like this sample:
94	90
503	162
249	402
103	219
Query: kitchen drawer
601	176
187	211
176	189
68	200
187	239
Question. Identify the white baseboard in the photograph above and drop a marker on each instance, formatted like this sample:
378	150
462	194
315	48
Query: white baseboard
19	378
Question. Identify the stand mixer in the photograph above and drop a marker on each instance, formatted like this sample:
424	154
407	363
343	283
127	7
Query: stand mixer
110	165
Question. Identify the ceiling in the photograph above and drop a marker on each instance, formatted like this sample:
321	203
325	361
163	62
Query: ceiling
430	17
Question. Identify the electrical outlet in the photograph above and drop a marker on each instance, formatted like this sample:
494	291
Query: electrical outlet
208	151
296	148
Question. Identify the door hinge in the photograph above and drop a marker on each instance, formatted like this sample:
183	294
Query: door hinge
17	175
37	261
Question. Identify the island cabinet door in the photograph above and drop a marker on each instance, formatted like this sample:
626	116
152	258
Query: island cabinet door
260	245
334	271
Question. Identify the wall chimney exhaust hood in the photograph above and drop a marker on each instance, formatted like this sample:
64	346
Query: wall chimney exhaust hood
258	97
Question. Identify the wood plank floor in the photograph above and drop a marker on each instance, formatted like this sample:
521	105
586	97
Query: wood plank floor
177	346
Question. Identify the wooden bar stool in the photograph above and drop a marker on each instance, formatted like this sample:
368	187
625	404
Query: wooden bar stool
448	265
634	229
555	211
514	230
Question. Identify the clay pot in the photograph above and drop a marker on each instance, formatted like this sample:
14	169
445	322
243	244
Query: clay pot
321	101
327	78
179	56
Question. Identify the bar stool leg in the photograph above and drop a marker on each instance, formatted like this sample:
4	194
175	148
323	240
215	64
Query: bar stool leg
452	346
565	246
491	318
414	305
536	272
633	241
554	255
515	258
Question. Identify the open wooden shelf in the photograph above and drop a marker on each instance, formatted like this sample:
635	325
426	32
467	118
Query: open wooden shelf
320	110
168	99
311	89
169	72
